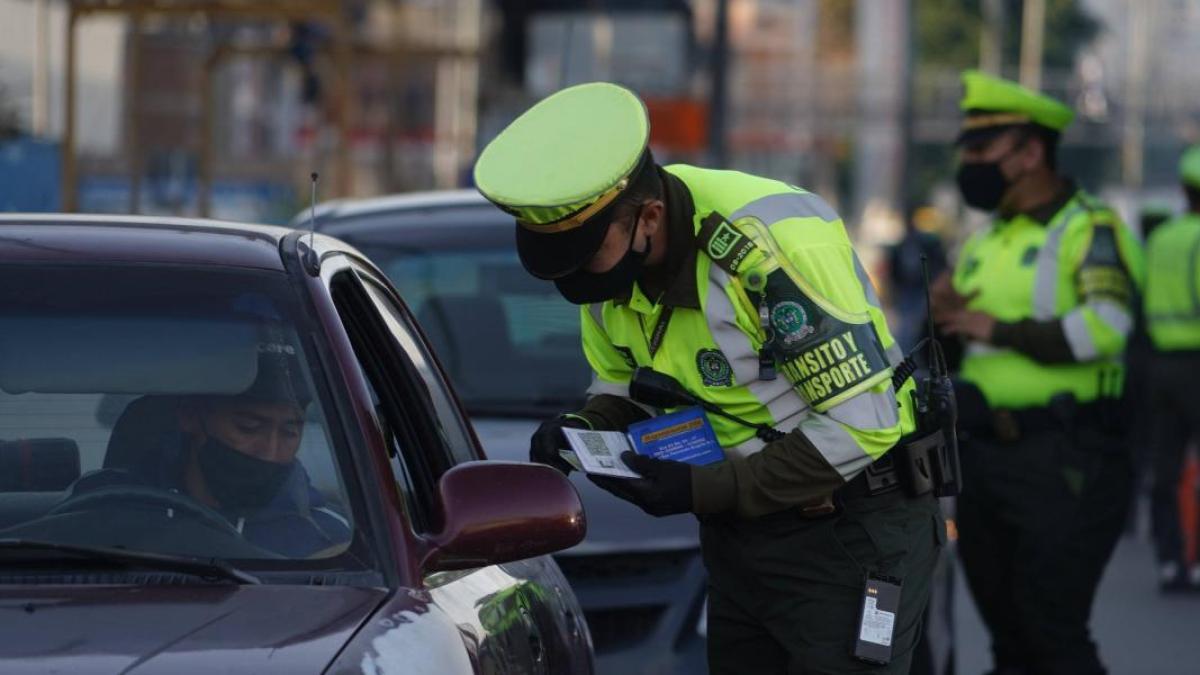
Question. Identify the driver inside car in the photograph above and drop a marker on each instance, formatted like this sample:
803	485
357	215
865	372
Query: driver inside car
236	454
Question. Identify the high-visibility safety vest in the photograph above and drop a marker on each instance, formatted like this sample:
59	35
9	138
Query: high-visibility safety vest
1172	304
1081	268
772	258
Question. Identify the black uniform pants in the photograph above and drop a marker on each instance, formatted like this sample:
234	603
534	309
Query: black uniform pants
1038	520
785	592
1175	420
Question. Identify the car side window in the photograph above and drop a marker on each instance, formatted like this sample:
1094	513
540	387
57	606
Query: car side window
417	446
453	425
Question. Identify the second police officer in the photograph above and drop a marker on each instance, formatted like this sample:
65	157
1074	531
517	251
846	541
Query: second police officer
1172	313
717	278
1043	297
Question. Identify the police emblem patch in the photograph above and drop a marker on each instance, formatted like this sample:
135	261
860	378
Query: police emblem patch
714	368
790	322
723	241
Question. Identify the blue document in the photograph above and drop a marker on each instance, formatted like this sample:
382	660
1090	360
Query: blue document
684	436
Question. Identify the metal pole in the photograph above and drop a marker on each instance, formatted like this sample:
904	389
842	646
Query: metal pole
207	152
1133	133
1033	29
41	69
991	37
133	151
70	198
344	92
718	154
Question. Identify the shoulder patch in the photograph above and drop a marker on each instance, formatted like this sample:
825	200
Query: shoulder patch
823	357
722	242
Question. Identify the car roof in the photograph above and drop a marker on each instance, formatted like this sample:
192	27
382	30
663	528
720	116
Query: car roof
340	209
53	237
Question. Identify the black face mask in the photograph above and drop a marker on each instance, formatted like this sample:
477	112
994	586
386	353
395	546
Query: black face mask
982	184
237	480
583	287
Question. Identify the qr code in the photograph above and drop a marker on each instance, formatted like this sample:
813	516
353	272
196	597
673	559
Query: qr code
598	449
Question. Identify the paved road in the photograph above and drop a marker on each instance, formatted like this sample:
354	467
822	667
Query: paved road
1140	631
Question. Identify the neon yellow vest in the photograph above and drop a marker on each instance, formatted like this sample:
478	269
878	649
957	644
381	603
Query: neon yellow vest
1023	269
1172	304
834	379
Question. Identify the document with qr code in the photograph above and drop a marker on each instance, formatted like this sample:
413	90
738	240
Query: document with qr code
599	452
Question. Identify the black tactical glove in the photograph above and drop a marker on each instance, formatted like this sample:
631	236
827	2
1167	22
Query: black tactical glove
664	489
548	440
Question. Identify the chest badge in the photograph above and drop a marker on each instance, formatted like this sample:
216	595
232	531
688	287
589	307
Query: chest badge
790	322
714	368
1029	257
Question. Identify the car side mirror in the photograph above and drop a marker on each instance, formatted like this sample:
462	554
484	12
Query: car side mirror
497	512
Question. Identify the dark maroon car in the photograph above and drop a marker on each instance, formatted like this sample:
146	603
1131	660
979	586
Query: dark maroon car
227	448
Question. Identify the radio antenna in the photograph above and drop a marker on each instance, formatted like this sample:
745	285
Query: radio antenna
937	363
312	216
311	262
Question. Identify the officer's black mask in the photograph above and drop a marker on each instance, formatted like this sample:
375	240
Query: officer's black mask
582	287
983	184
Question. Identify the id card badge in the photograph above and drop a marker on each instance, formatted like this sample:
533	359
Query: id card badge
682	436
877	620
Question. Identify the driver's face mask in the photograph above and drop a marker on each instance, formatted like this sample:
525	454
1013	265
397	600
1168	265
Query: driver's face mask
237	480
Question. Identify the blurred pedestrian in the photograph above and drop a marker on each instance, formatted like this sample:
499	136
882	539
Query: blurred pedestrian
1172	316
907	260
1043	298
1137	385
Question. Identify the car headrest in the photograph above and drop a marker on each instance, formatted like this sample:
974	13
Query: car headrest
38	464
146	427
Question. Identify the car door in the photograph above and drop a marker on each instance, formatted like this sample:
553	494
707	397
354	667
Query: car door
514	618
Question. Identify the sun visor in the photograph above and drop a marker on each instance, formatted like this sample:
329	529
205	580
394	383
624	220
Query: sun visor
78	354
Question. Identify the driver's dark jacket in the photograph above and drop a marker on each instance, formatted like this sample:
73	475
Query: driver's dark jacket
297	523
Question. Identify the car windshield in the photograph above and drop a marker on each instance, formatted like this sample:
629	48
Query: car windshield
163	410
509	342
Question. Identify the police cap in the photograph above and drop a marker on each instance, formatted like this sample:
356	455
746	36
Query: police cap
560	168
993	104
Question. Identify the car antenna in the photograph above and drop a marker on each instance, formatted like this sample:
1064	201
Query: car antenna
311	262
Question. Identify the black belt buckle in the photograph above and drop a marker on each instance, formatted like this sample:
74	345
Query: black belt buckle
881	475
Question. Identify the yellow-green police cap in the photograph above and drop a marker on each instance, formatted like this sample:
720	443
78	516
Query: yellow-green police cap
1189	167
992	104
560	166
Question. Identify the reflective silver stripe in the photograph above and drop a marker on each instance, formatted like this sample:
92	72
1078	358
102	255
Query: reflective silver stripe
865	280
1045	284
1079	338
869	410
780	399
1116	316
776	207
894	354
982	349
599	386
835	444
596	309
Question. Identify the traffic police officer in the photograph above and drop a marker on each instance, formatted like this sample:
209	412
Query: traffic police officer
716	278
1043	297
1172	316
